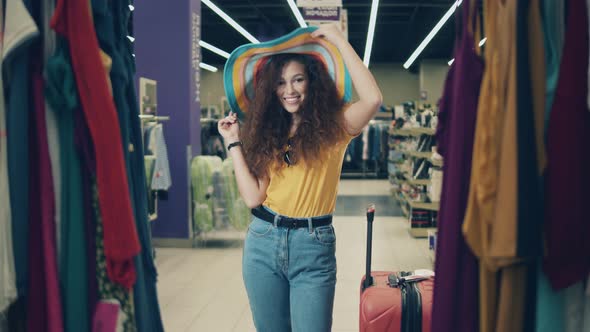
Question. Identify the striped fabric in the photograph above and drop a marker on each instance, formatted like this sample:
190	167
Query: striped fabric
246	60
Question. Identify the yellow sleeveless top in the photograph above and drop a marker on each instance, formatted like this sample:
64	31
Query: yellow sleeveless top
307	191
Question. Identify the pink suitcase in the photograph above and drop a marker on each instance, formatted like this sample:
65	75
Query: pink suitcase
393	301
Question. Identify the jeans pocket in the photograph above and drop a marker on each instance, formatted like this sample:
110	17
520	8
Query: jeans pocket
325	235
259	227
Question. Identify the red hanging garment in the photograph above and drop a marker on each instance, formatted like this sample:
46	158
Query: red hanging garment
72	19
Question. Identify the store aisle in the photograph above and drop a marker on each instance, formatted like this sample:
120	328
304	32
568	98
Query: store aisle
201	289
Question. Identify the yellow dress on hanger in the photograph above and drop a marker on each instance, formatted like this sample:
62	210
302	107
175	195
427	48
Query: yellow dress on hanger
491	219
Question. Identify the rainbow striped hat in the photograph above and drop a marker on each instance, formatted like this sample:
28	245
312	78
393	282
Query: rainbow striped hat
246	60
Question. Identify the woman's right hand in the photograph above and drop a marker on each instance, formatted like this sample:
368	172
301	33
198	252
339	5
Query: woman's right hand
229	128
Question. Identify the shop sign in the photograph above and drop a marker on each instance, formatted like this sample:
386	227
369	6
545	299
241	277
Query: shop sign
319	3
324	14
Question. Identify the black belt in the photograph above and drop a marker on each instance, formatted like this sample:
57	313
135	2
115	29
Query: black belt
287	222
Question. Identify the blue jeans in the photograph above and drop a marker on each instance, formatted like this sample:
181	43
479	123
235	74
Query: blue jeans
290	276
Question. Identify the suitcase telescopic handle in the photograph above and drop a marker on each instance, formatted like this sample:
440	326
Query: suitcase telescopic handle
370	216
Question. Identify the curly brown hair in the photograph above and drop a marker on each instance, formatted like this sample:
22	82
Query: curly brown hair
267	123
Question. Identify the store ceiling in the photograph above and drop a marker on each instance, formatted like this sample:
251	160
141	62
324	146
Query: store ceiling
401	26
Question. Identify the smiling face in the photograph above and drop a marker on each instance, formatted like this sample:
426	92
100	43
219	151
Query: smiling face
292	86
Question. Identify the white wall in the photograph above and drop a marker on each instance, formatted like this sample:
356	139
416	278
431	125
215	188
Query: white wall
211	87
397	84
432	78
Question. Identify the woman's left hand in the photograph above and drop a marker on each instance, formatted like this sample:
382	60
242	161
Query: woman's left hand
330	32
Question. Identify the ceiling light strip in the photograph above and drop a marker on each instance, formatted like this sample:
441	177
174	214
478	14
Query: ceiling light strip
230	21
431	35
214	49
371	32
207	67
297	13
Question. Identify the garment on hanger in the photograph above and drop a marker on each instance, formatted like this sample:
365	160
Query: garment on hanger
531	163
577	309
107	289
455	265
553	15
7	273
145	301
588	13
19	30
553	12
567	178
495	124
47	8
85	151
44	309
161	179
72	20
65	159
61	95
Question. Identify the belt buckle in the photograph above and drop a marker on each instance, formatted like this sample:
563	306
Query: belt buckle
293	223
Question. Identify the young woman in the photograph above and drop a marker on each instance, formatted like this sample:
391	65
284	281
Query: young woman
288	158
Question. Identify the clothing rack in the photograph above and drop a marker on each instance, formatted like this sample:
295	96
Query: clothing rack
362	161
206	120
152	195
150	117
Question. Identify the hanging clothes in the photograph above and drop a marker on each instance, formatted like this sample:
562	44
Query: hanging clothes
496	105
588	96
20	29
116	15
88	164
44	310
48	41
577	309
567	178
456	266
61	95
62	105
106	288
100	286
553	12
161	179
72	20
7	273
531	161
553	15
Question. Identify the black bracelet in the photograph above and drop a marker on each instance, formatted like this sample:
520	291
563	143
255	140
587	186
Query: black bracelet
231	145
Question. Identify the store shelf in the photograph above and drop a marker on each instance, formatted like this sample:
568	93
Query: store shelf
424	131
420	232
402	202
425	206
408	179
395	179
419	182
436	162
418	154
420	205
401	132
412	131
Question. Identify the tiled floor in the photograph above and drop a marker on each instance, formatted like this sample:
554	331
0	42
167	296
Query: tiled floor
201	289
